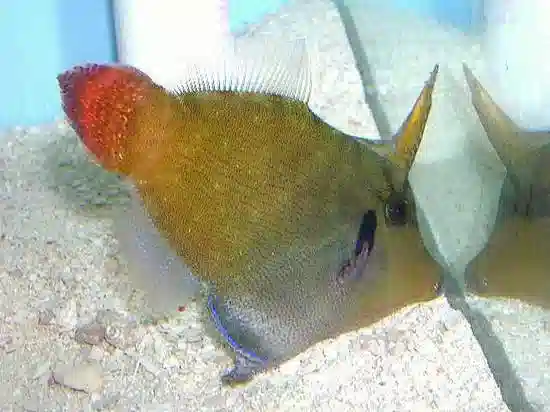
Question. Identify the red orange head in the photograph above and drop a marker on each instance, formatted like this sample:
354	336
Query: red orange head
100	101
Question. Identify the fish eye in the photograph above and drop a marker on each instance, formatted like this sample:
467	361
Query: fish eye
397	211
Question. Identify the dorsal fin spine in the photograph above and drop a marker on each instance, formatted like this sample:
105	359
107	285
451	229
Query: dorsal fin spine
248	70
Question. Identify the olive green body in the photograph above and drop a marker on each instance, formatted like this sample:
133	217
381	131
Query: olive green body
264	200
301	231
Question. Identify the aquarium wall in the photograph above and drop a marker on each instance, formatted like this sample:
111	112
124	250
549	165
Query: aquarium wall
41	39
161	37
465	15
518	77
479	182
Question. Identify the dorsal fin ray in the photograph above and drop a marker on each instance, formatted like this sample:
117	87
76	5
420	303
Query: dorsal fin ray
282	71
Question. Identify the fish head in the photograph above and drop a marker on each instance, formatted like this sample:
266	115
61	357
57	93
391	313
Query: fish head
100	102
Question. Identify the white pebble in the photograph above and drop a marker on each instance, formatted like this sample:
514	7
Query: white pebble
67	316
45	317
171	362
41	370
86	377
150	366
96	354
105	402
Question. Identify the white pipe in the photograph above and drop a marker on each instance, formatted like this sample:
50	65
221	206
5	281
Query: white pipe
162	36
518	41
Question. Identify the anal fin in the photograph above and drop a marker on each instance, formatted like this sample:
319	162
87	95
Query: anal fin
247	364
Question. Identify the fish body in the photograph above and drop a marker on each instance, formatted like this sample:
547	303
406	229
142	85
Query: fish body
301	231
514	263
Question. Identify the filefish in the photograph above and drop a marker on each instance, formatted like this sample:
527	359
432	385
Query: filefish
514	263
300	231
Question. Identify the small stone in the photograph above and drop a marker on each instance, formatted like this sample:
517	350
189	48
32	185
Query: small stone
96	354
171	362
45	317
92	334
16	273
7	343
67	316
112	265
150	366
41	370
121	337
5	340
119	331
110	317
194	335
86	377
105	402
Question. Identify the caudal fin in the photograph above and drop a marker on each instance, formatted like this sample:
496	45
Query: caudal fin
100	102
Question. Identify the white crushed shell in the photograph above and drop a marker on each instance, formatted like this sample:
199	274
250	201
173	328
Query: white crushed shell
67	315
45	317
96	354
41	370
105	402
150	366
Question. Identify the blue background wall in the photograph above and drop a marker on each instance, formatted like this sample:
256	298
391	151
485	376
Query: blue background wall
455	12
243	12
41	38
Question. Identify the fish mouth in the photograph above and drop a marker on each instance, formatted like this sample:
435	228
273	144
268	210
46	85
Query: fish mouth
247	362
